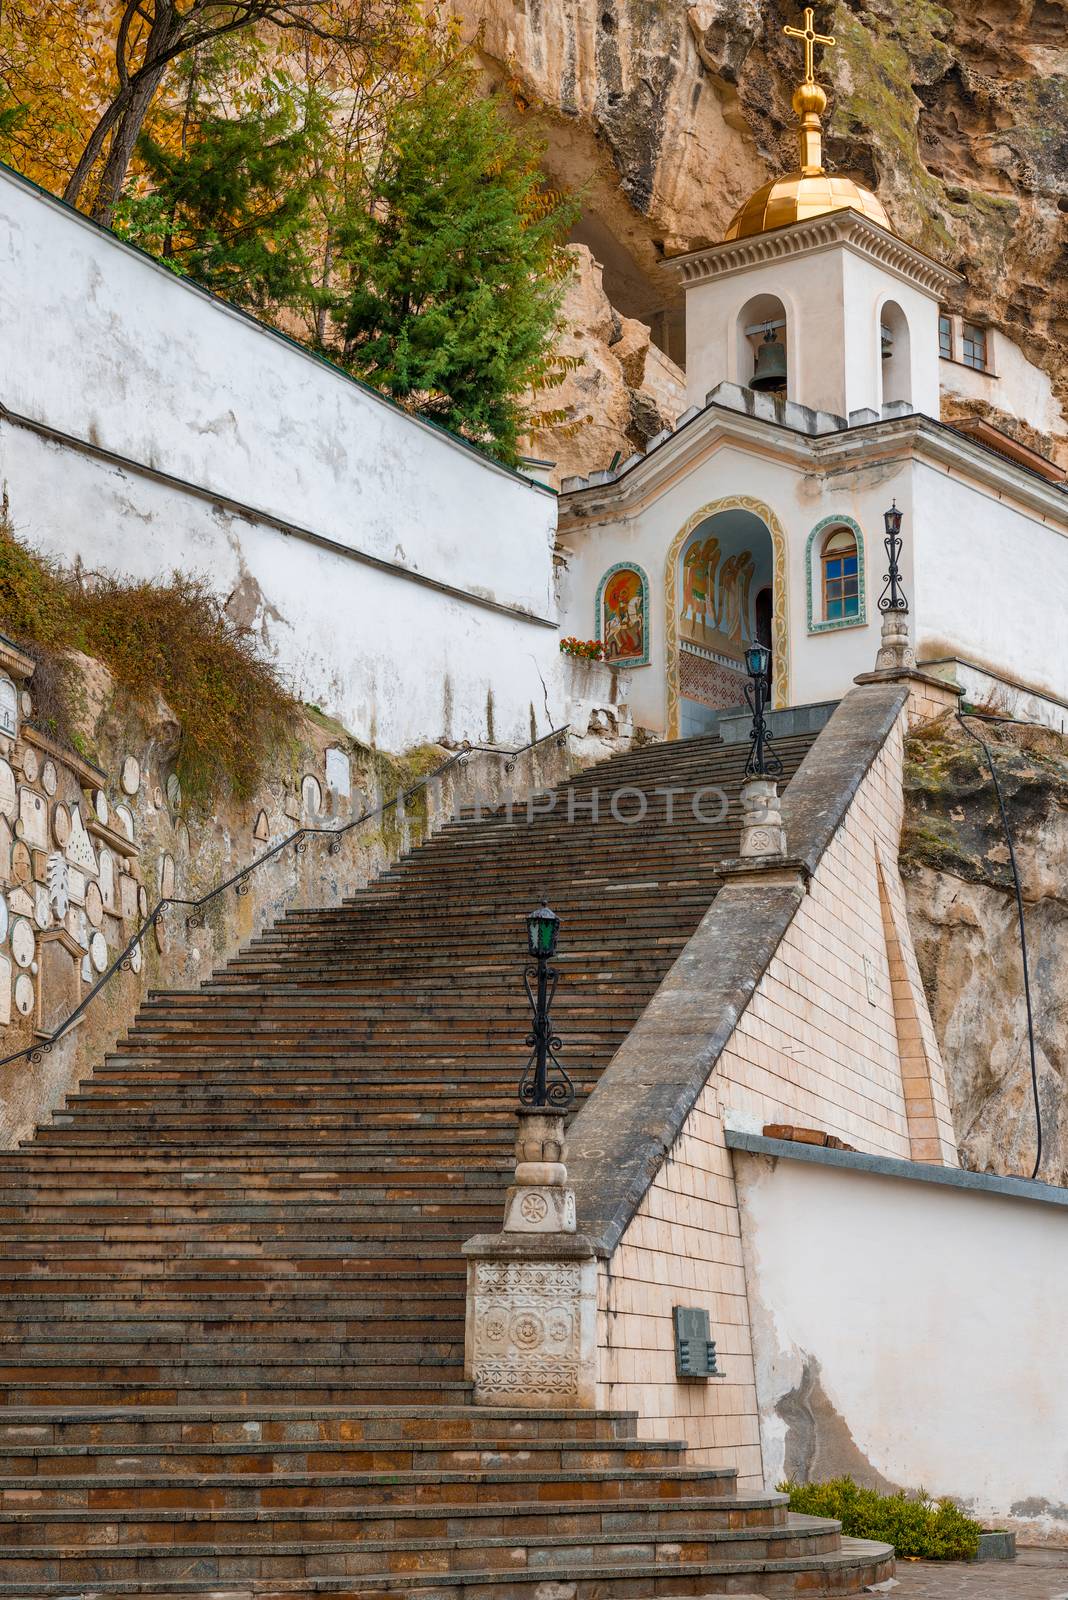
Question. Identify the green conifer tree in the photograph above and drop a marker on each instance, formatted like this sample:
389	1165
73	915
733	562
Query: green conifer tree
232	209
452	270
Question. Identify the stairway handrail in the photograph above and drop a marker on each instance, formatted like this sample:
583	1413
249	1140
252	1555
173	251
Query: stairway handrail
239	880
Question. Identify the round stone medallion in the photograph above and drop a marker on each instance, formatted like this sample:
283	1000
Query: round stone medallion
42	907
98	951
23	942
131	775
61	825
527	1330
31	765
94	904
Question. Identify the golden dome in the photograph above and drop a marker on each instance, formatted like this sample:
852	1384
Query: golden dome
810	191
800	195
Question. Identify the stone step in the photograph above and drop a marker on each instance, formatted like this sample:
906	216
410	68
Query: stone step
189	1462
442	1538
643	1567
259	1390
377	1494
284	1424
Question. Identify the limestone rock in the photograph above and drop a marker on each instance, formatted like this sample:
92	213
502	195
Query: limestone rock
668	116
622	393
962	912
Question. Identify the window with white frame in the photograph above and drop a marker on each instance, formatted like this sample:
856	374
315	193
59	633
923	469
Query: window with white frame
973	346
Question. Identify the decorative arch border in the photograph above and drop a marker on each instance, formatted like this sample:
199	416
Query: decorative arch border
598	616
780	633
818	624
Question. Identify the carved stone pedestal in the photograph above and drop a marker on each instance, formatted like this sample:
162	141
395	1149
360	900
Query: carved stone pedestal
895	652
539	1200
762	830
531	1334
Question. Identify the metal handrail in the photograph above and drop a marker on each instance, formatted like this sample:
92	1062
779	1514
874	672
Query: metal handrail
239	880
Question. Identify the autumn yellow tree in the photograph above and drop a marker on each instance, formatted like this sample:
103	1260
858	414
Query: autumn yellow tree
87	76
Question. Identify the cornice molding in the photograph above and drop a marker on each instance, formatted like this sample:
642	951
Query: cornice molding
845	228
914	435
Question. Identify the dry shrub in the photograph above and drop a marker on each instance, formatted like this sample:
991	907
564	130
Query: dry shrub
157	639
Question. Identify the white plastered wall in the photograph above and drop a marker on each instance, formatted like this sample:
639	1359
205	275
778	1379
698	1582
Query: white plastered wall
991	583
931	1320
103	345
1014	385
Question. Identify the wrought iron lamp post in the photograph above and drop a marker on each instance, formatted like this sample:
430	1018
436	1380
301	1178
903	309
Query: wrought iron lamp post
895	652
763	761
540	980
893	595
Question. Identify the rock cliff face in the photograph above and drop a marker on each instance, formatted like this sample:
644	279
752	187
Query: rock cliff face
962	911
622	391
668	115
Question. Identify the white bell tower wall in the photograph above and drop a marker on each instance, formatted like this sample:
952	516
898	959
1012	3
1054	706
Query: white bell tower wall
840	280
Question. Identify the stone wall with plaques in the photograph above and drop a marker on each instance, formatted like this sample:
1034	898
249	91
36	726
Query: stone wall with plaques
88	848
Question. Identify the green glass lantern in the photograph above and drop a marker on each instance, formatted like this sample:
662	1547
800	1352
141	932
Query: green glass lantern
543	928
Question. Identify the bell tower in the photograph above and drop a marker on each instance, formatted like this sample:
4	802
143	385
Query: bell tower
811	295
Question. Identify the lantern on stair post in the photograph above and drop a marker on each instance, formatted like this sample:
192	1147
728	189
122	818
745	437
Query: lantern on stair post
762	829
895	652
539	1200
535	1090
531	1326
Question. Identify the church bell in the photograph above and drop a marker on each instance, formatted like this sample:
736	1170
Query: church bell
770	372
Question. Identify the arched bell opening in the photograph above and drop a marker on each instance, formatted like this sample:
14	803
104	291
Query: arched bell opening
895	354
763	345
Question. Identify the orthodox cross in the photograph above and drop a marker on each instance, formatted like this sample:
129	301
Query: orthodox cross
812	39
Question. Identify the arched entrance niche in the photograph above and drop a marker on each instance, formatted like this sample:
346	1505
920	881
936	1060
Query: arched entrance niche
720	567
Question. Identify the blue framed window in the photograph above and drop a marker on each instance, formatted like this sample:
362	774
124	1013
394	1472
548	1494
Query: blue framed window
841	576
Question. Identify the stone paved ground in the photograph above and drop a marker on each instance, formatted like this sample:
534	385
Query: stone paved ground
1034	1575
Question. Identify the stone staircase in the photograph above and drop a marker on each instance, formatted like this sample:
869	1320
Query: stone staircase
232	1285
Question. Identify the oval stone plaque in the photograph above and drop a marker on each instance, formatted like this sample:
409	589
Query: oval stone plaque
94	905
61	825
23	942
98	951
